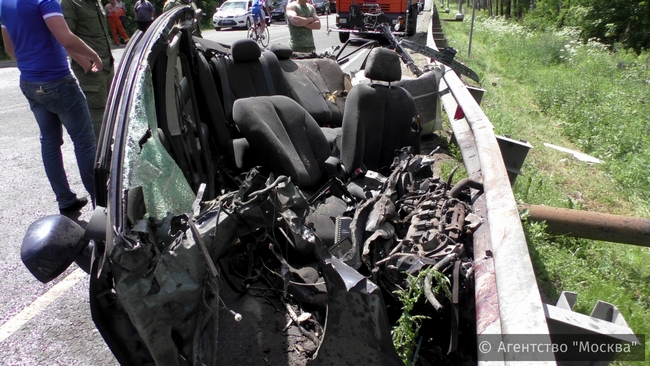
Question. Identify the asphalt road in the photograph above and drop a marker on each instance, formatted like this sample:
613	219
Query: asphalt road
50	324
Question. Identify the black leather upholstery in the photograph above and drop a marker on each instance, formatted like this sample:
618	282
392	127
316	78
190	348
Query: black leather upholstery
247	75
283	138
247	72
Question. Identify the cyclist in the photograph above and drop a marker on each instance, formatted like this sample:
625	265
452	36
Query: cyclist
258	13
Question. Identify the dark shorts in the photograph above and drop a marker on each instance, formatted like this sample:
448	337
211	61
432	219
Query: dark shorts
257	12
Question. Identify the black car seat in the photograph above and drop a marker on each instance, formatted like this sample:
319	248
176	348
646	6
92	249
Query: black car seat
379	118
317	84
283	138
249	72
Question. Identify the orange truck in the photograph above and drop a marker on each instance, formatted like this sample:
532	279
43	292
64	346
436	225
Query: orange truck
366	16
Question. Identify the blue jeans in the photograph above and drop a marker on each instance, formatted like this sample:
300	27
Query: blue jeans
62	103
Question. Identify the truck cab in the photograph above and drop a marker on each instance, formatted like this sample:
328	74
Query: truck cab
365	17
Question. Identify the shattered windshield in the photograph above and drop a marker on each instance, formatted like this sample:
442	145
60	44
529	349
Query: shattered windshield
147	163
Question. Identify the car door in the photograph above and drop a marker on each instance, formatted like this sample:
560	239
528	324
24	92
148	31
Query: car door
149	126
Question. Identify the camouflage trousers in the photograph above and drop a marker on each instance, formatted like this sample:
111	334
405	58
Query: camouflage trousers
95	87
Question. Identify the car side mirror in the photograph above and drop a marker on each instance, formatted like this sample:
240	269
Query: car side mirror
50	246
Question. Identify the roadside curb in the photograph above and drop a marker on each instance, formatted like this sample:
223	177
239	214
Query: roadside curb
8	63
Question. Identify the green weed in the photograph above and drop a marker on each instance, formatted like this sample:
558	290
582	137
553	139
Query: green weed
406	331
548	87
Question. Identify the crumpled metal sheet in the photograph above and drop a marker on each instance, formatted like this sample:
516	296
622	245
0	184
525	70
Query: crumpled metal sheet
357	331
163	293
147	163
164	289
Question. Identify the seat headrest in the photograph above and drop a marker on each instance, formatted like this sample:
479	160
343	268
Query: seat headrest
282	51
383	65
244	50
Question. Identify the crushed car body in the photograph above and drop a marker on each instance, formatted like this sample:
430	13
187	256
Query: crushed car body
255	207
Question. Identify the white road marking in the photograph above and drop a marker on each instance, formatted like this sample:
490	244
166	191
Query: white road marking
15	323
279	38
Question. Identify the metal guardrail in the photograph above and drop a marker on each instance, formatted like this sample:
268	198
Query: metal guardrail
508	302
507	297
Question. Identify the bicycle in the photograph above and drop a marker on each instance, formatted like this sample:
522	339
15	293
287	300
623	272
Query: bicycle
261	38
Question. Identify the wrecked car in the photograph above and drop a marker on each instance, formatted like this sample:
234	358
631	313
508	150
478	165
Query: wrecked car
256	208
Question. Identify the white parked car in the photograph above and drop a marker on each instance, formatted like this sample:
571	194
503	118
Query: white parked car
233	14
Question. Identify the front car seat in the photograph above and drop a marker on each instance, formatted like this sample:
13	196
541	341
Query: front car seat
379	118
283	138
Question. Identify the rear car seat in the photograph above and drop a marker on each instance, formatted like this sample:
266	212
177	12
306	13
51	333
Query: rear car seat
317	84
248	73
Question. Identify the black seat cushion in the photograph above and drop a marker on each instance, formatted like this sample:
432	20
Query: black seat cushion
318	85
249	72
283	138
250	79
377	121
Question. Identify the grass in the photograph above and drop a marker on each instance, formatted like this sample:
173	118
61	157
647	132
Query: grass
549	87
406	331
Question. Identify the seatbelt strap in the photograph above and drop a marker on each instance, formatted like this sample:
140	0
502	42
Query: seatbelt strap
220	63
267	75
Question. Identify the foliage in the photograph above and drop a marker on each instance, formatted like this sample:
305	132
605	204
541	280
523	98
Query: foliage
3	54
408	325
207	6
550	86
612	22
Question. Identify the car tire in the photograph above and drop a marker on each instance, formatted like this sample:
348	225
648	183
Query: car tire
248	23
217	28
344	36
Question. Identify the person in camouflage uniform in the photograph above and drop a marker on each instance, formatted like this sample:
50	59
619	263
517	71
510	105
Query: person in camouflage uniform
87	19
302	20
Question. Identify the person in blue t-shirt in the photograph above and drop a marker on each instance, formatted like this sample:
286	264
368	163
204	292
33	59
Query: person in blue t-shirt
36	35
258	13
